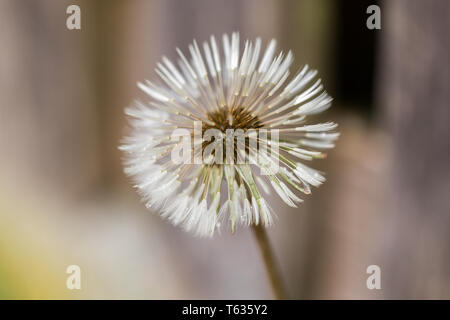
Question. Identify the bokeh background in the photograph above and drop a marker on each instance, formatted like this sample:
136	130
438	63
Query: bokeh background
64	199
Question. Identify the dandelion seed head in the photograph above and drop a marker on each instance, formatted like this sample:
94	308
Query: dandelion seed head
245	90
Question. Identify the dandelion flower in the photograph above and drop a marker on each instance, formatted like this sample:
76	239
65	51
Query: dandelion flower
249	90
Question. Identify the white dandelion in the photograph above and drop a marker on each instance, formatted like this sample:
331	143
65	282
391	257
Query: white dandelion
235	89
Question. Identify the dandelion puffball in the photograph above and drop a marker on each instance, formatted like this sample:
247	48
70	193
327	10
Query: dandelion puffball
202	106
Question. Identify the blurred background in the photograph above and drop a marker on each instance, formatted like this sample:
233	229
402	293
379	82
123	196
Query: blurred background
64	198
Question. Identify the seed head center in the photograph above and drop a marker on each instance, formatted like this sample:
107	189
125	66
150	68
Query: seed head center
235	118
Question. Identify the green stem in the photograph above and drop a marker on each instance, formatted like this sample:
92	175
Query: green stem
269	261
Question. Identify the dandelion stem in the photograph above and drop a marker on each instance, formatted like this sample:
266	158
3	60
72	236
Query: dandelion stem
269	261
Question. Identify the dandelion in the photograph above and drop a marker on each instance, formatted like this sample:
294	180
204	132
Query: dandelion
249	89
